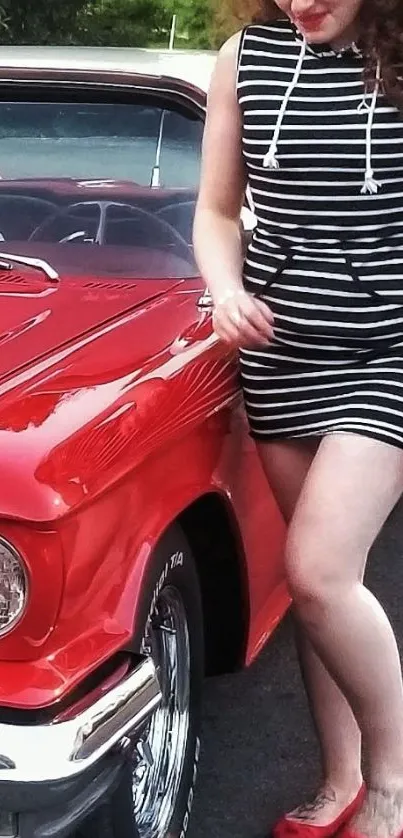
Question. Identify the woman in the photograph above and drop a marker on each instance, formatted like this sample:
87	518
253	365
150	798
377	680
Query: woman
307	109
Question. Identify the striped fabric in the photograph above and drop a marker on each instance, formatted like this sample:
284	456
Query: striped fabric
326	254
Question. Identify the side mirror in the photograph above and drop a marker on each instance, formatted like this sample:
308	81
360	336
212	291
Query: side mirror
205	302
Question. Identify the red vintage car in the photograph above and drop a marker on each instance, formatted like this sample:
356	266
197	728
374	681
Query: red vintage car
140	546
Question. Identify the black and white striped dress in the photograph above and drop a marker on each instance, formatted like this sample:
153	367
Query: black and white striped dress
325	167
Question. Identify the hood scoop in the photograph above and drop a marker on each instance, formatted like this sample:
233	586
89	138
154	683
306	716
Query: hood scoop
13	279
116	285
32	283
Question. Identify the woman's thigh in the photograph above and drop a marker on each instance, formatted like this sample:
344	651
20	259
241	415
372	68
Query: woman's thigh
353	484
286	464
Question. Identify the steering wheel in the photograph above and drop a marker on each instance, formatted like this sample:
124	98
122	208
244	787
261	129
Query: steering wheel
113	223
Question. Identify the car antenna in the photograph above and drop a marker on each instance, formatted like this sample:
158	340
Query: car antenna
156	172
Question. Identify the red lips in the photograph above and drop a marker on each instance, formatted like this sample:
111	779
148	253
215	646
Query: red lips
310	22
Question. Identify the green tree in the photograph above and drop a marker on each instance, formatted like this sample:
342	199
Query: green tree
194	21
202	24
132	23
40	21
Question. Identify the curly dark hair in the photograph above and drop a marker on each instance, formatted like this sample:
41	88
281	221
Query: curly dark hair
381	40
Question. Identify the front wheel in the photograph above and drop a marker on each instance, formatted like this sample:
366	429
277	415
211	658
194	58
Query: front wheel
164	761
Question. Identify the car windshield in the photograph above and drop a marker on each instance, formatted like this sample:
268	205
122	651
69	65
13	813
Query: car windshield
100	187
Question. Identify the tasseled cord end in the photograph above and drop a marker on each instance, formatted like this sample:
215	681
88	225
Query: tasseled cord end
270	159
371	185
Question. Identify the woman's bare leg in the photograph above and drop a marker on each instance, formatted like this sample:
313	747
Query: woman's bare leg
352	486
338	734
286	465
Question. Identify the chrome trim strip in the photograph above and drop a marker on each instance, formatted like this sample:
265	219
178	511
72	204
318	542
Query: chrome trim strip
40	264
87	85
41	753
205	302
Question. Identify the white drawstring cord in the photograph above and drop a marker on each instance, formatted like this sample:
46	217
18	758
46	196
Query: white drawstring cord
270	160
371	185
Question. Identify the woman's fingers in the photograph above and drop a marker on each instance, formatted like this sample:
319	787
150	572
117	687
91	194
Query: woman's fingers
225	330
243	321
259	316
265	310
236	329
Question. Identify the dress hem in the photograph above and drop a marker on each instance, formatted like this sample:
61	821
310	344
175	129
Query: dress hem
268	438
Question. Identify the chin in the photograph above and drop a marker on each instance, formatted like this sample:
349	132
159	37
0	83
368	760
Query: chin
323	35
317	38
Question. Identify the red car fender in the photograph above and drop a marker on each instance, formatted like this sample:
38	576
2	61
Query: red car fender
108	546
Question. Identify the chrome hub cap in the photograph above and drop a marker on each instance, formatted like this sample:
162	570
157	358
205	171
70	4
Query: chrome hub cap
160	754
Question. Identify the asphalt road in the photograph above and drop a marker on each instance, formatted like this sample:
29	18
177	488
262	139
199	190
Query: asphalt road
259	754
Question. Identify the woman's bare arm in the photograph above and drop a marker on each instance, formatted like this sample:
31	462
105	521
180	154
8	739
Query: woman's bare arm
239	318
217	231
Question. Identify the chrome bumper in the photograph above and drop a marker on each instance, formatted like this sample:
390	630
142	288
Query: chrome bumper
58	750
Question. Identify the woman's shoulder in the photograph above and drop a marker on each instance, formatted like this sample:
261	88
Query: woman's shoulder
277	31
280	26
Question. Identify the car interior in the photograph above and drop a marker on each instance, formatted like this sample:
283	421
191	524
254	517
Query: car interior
107	174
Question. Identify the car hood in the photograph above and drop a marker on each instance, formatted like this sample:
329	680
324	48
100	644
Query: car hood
38	316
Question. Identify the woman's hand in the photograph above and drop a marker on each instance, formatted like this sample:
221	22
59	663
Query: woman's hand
241	320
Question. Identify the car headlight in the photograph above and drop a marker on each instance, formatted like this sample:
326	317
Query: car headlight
13	587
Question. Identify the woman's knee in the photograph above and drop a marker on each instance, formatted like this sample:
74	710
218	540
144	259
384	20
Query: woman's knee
304	569
318	568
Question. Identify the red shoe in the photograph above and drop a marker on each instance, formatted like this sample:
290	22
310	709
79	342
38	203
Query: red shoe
292	828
